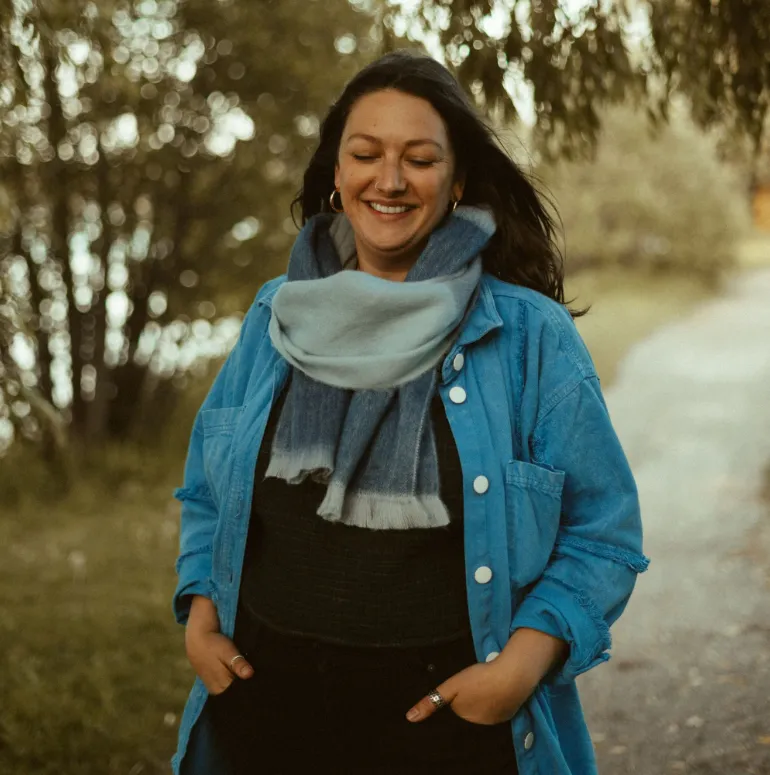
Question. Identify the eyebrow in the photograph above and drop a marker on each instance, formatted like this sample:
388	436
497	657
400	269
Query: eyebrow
409	144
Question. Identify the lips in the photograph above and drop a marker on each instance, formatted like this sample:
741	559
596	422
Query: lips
384	209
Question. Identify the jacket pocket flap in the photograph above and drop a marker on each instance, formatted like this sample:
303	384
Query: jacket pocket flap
533	513
539	477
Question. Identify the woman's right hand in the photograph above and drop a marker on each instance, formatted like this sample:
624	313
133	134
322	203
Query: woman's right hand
209	652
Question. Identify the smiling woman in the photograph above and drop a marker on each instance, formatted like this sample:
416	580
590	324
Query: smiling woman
396	176
407	522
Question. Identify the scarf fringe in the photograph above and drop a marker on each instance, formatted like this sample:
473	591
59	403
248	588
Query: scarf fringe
294	468
376	511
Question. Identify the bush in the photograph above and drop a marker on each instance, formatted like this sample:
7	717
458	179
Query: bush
659	200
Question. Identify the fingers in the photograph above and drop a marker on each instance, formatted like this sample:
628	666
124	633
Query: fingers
212	656
219	682
233	660
425	708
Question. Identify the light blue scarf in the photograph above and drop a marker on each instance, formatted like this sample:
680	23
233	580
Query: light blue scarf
364	352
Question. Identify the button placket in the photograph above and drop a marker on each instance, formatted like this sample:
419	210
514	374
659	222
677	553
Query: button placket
458	395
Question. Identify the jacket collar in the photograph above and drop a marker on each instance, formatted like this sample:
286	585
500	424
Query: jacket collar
267	298
482	318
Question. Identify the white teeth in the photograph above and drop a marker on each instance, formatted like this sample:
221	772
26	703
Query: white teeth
387	210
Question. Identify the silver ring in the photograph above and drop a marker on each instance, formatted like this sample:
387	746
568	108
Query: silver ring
235	659
437	700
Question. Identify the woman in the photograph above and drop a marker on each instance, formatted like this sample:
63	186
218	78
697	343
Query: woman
407	522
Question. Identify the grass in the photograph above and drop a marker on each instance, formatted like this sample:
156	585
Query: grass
93	675
626	307
92	667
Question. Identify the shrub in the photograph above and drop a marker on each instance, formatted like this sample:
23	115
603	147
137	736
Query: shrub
651	199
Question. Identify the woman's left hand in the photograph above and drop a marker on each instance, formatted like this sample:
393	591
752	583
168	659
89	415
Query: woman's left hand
483	693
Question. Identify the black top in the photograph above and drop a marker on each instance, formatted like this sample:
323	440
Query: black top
334	582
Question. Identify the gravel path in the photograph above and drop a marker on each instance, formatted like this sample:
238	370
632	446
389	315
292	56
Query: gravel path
688	688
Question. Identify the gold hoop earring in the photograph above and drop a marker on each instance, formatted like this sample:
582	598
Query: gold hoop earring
331	201
454	204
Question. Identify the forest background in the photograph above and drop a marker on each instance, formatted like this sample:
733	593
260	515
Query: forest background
149	151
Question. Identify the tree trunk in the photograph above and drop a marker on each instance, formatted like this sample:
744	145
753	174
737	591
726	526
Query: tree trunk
97	412
36	294
58	190
154	274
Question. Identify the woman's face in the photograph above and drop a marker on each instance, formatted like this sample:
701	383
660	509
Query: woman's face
396	175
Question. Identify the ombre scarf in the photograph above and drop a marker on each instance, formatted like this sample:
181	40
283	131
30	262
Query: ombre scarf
364	351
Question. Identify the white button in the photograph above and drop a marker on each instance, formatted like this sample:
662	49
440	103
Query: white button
492	656
480	485
458	362
457	395
529	741
483	574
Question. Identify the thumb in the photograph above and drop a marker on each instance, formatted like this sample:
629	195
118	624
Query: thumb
425	708
233	660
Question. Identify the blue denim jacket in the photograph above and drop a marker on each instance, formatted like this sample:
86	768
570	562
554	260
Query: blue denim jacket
554	542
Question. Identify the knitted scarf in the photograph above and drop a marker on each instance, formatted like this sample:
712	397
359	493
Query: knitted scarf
364	351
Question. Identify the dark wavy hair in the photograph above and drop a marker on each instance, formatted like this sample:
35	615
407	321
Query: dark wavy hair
523	250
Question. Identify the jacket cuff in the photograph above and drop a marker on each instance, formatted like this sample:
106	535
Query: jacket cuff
194	572
566	613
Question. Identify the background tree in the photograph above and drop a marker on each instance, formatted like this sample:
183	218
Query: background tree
573	58
149	150
717	52
563	59
655	200
140	212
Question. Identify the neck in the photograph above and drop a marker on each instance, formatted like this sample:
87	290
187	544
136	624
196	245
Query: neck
388	272
387	266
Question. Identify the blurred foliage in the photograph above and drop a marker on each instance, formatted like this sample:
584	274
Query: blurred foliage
572	58
149	150
567	58
718	53
651	199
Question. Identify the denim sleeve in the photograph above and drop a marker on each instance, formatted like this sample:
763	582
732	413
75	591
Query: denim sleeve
199	514
598	550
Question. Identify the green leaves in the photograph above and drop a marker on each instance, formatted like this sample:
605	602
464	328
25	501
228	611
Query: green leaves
563	61
717	52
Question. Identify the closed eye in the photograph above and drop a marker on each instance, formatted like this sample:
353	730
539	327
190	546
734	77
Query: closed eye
416	162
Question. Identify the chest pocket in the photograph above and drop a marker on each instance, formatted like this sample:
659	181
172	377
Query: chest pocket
218	426
533	511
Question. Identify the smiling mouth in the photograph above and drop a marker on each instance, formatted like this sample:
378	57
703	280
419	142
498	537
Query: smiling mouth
390	210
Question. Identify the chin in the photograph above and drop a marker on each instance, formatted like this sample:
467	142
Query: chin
395	240
393	246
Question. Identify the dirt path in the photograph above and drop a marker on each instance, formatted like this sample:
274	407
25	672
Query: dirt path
688	689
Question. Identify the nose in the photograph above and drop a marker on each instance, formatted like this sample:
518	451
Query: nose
390	180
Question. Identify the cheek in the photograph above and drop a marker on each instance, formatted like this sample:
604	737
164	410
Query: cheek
437	187
352	180
436	193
